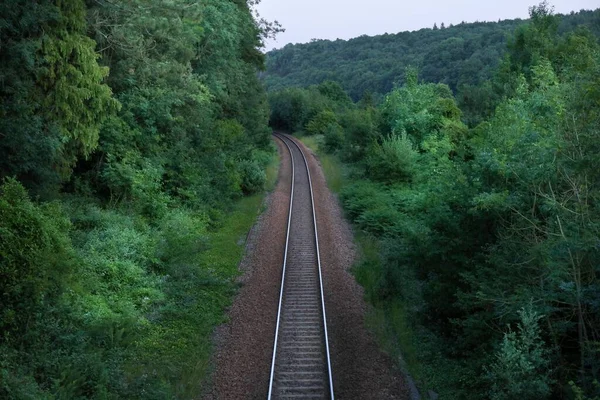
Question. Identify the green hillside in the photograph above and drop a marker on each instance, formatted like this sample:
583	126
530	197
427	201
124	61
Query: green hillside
465	54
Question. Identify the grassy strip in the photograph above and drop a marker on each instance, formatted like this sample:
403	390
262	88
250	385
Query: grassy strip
226	244
225	252
331	165
387	320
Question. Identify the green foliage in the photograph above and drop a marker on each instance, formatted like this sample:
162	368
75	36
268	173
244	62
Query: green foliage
334	91
187	117
535	40
465	57
360	130
520	368
253	176
312	109
70	77
370	206
419	110
579	393
474	228
334	138
321	123
53	100
393	160
129	131
466	54
36	258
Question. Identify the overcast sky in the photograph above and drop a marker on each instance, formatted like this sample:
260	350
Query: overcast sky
304	20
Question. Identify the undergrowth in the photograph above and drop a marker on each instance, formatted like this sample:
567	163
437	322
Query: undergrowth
388	320
124	306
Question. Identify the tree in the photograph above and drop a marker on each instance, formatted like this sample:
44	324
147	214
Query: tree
520	368
50	115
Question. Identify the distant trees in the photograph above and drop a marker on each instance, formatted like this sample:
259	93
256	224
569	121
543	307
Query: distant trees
295	109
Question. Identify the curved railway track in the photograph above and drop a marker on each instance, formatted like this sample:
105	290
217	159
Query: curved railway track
301	368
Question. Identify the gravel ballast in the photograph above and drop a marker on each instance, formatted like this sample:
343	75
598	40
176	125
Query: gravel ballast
244	345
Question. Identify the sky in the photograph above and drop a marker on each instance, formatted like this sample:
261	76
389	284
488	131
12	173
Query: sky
304	20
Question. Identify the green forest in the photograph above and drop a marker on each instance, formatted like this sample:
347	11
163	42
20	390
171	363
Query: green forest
136	149
479	240
133	135
463	56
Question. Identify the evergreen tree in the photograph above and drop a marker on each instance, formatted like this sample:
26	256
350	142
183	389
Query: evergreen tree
53	100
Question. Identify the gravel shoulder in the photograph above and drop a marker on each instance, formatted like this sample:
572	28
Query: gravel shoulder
244	345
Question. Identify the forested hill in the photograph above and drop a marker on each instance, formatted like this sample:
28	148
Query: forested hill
465	54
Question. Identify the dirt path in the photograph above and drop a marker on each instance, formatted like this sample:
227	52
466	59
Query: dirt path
245	344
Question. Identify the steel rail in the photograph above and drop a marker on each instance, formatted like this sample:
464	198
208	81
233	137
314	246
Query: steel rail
287	240
285	139
320	272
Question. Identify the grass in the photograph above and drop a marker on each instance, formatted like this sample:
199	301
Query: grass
272	171
389	320
226	245
332	167
191	327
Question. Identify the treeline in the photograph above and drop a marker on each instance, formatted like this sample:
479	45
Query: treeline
485	239
127	130
462	56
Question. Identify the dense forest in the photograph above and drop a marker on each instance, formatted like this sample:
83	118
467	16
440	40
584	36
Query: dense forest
134	152
129	130
463	56
479	245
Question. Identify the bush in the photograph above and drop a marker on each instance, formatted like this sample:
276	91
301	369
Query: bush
334	138
321	122
520	370
393	160
36	256
253	176
360	133
183	238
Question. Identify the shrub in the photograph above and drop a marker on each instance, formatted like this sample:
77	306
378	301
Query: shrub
36	256
253	176
334	138
183	237
393	160
360	133
321	122
520	370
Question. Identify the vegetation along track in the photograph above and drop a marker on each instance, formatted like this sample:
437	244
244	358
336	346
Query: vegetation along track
301	367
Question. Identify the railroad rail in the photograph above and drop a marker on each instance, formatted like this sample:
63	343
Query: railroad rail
301	367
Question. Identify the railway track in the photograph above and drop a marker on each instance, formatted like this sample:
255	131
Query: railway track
301	368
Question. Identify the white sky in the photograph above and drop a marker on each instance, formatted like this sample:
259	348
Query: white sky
345	19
